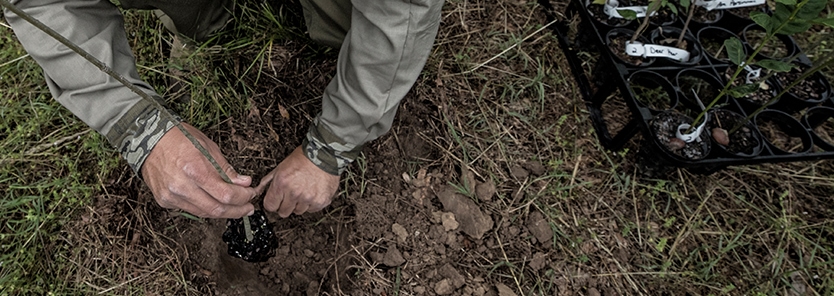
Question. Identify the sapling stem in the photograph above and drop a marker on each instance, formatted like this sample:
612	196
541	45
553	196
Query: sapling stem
749	60
104	68
686	25
654	5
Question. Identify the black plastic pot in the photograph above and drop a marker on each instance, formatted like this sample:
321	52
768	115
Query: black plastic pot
780	47
744	141
653	91
706	85
663	127
602	20
814	91
711	40
702	17
764	95
820	120
612	41
604	77
783	134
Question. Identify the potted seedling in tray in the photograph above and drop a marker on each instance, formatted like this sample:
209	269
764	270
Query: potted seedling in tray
789	17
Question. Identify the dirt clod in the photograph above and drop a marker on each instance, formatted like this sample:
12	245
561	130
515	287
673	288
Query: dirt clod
519	172
535	168
455	278
504	290
444	287
539	227
393	257
538	261
485	191
400	232
472	220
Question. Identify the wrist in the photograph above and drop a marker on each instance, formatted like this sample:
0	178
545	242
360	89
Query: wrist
327	151
138	132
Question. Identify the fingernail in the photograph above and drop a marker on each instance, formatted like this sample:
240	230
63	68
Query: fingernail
244	178
252	212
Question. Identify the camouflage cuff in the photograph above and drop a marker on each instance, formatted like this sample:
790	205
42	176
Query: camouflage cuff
138	132
327	151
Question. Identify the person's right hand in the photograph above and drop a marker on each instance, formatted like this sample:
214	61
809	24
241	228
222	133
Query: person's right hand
180	177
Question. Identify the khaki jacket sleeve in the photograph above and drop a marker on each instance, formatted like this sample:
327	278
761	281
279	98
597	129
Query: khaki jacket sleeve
379	61
132	125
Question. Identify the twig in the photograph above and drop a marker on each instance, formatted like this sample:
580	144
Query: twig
104	68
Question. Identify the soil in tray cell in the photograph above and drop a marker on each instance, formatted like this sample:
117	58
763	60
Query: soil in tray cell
761	96
596	11
744	12
704	16
776	135
774	48
808	89
655	98
664	126
743	140
617	46
691	85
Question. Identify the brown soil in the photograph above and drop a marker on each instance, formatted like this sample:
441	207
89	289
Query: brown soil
810	89
712	42
761	96
664	126
744	12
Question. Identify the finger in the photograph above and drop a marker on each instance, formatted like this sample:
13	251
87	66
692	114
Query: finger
287	207
301	208
225	193
264	183
203	205
273	198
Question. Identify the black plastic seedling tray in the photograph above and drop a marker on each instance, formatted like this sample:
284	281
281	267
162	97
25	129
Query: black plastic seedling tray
603	77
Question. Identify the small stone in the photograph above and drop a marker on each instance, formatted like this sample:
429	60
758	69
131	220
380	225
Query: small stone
448	221
308	253
400	232
393	257
473	221
503	290
419	290
593	292
485	191
443	287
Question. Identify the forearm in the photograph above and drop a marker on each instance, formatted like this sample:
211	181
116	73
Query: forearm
379	61
128	122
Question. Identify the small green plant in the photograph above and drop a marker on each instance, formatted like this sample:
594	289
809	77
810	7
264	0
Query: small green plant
789	17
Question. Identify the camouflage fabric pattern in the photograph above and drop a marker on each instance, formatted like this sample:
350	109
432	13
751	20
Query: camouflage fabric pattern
139	138
327	151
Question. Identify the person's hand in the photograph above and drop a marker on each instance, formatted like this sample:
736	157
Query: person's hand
298	186
180	177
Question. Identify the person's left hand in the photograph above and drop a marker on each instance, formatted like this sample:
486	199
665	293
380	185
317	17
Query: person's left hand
298	186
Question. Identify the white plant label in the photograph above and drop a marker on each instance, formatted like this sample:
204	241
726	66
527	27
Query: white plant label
752	74
637	49
611	8
727	4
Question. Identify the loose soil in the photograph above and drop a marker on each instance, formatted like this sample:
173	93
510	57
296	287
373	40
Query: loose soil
712	41
763	93
811	89
825	131
664	126
654	97
744	12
